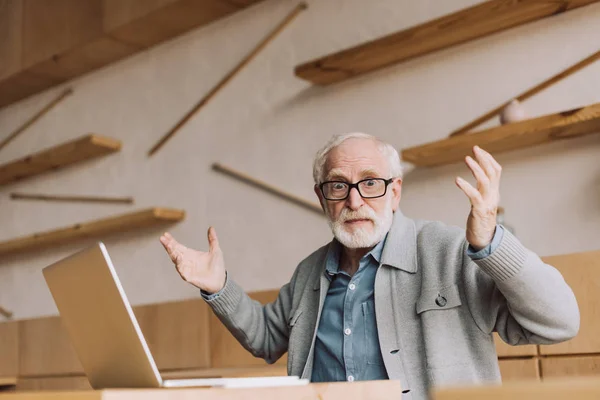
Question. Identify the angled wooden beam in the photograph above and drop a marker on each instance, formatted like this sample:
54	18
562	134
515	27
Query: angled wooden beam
84	148
450	30
76	199
36	116
532	132
198	106
267	188
120	223
529	93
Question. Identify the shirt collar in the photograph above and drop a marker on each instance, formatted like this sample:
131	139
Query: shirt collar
332	263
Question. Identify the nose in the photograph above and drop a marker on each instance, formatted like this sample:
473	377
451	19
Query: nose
354	200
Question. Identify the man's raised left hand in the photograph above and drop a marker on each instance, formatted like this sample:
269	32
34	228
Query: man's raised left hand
481	224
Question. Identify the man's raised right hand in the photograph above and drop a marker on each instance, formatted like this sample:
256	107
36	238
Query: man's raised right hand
206	271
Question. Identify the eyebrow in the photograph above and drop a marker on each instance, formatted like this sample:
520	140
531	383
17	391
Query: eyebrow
336	174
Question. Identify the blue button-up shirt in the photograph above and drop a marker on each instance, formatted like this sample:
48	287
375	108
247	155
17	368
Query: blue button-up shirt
347	343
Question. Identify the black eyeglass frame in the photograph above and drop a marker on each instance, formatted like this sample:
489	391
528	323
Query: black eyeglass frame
355	185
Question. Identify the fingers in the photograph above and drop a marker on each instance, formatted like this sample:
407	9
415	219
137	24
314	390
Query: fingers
166	240
488	156
472	193
485	169
171	246
480	175
213	240
488	163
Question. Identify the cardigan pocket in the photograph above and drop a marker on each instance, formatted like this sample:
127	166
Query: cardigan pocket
442	318
439	298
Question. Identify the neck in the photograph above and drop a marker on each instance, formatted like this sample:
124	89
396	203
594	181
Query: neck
350	259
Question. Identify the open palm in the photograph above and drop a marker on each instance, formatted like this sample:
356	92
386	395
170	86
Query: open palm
205	270
481	223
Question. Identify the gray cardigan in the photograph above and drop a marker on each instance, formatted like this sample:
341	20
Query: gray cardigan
436	308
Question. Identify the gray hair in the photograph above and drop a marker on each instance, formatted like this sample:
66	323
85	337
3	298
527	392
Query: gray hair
386	149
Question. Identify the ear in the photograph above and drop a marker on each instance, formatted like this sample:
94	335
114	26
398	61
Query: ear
396	188
320	196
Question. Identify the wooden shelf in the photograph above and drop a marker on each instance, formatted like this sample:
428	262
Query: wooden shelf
568	124
105	226
84	148
45	43
460	27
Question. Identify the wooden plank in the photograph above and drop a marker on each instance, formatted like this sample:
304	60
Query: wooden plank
240	176
226	352
10	36
504	350
567	367
366	390
120	223
54	395
52	27
453	29
532	132
519	369
35	117
229	76
160	20
9	349
45	349
582	272
81	149
70	198
22	84
82	59
121	12
529	93
56	383
244	3
177	333
61	39
579	389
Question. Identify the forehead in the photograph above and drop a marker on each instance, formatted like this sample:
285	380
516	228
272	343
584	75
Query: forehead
354	157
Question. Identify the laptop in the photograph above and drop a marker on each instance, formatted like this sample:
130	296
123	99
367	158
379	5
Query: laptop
105	333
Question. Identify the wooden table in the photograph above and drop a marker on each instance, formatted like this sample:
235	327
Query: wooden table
559	389
371	390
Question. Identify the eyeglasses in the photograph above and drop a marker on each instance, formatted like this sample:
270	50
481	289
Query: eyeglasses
367	188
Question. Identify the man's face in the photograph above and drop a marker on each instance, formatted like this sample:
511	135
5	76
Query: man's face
357	222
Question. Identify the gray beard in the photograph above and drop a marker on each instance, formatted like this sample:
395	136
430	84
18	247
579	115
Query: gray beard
361	238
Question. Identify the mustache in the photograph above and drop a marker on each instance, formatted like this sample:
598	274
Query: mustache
362	213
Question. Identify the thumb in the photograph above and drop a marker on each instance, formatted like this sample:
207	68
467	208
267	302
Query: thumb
213	241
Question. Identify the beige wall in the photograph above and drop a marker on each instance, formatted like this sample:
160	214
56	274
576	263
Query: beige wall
269	124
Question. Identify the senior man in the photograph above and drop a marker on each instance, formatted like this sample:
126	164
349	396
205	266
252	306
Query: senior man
391	297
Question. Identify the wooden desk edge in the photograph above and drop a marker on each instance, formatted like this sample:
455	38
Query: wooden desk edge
318	391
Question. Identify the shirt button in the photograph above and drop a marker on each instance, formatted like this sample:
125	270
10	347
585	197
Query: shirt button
352	286
347	331
350	378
